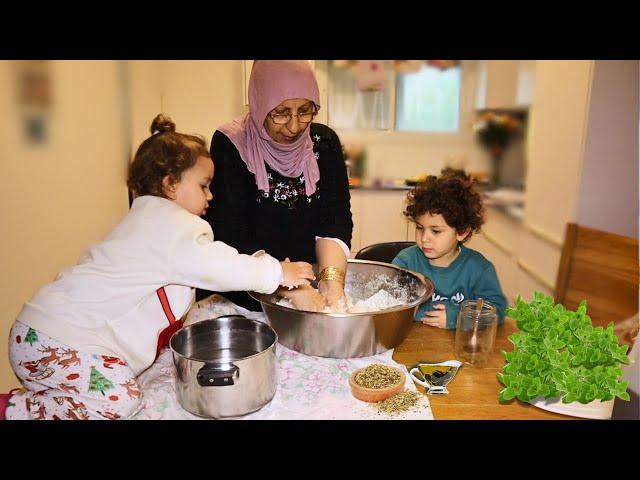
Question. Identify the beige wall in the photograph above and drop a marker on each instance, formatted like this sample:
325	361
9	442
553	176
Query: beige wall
609	188
145	98
556	143
527	253
557	132
201	95
198	95
58	198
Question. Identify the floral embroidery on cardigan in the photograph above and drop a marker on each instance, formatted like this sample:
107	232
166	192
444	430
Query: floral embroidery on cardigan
288	191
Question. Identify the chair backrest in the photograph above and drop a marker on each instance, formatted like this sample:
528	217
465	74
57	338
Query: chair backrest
602	268
382	252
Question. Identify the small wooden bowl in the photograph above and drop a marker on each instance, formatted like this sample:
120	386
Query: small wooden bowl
373	395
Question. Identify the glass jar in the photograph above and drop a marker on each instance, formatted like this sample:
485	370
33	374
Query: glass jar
475	332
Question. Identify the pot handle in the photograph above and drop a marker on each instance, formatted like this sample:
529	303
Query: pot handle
217	375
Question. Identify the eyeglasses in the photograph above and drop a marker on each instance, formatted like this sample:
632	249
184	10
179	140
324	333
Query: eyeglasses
284	118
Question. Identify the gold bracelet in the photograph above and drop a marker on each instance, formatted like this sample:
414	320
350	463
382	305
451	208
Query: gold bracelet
332	273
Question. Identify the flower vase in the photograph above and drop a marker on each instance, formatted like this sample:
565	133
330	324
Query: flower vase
496	164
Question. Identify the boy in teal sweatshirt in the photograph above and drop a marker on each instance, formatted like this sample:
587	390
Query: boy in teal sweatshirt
446	211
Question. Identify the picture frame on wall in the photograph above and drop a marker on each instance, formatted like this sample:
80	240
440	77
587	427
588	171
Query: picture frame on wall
35	99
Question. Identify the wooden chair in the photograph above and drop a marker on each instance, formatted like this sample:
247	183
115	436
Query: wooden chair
382	252
602	268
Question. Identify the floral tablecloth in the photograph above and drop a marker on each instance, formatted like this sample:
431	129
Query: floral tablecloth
309	388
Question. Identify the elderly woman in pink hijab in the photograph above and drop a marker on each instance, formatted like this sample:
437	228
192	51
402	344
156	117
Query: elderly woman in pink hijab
281	182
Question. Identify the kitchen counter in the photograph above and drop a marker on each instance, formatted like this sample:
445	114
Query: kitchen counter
379	184
515	213
506	200
473	393
380	188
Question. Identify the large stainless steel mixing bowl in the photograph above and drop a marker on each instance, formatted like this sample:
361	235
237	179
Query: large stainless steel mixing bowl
350	335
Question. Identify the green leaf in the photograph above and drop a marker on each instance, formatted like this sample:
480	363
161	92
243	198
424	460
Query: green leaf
533	390
574	323
506	380
582	308
590	393
524	397
624	396
606	397
558	376
622	386
509	394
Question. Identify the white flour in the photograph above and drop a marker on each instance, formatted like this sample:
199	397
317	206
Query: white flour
378	301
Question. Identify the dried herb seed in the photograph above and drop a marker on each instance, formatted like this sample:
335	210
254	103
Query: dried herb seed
399	403
377	376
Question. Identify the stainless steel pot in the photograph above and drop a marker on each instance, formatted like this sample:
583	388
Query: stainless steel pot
225	366
350	335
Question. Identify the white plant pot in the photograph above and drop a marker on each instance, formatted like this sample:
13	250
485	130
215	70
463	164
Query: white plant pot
596	410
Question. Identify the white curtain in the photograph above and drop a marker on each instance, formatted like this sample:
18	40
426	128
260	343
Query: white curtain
352	108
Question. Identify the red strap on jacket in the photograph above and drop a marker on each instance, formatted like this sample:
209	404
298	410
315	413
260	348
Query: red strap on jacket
174	325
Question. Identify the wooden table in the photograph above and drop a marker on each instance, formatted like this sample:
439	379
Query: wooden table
473	393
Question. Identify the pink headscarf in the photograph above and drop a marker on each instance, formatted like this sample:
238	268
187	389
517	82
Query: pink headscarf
271	83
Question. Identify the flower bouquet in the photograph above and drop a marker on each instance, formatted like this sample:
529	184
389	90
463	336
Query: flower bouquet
495	131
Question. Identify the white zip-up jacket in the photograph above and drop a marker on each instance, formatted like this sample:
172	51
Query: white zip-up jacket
108	303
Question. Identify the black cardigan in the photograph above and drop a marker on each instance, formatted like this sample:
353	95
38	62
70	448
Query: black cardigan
283	225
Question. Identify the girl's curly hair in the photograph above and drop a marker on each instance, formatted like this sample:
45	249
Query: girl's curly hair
164	153
452	195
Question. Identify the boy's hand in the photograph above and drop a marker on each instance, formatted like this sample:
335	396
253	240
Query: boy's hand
331	290
436	317
295	274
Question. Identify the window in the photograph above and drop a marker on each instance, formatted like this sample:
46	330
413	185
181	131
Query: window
427	100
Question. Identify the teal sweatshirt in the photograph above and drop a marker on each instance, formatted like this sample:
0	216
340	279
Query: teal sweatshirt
469	277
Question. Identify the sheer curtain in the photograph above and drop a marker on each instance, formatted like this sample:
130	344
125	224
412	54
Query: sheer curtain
350	107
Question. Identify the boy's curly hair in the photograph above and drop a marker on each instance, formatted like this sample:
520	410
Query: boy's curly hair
452	195
165	153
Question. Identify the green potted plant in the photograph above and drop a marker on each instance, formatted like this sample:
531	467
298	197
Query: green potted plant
560	362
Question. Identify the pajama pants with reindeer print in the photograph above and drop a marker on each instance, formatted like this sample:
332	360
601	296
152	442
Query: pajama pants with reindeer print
61	383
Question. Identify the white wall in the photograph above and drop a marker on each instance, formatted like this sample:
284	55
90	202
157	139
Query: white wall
60	197
609	189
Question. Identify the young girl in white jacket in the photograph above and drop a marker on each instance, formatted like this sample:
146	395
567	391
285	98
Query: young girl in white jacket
78	345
